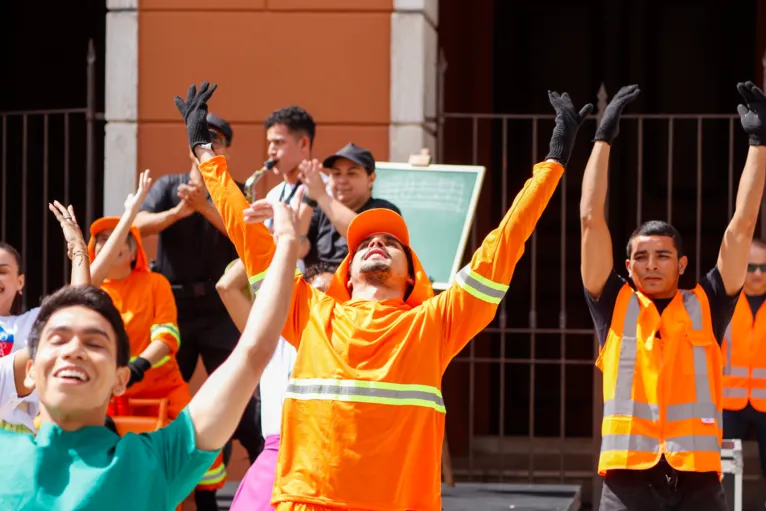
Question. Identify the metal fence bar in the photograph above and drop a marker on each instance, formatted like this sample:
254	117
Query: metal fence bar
472	348
640	171
66	260
699	200
24	179
669	198
503	314
563	320
90	106
731	173
46	198
533	325
5	178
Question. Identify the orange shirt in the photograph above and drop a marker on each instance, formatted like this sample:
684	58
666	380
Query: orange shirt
145	301
363	422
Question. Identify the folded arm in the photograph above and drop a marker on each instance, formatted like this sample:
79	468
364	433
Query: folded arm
230	288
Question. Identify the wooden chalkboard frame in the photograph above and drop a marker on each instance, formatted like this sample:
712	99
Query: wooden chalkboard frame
474	200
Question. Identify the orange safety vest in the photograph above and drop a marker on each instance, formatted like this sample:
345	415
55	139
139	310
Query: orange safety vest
661	395
744	348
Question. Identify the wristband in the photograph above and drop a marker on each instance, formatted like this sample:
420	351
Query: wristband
309	201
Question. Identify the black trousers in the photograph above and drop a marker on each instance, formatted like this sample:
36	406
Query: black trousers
212	337
661	488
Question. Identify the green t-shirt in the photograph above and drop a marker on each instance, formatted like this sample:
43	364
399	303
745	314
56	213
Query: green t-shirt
94	469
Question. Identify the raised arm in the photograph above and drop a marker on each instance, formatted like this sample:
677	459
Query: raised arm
316	190
735	247
471	302
105	258
596	259
253	241
77	249
217	407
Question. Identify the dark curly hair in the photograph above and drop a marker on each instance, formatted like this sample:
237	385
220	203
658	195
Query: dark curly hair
85	296
296	119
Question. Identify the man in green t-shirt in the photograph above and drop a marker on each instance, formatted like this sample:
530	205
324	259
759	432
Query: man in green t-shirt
78	358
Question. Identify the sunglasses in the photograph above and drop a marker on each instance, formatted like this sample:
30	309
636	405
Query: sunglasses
752	267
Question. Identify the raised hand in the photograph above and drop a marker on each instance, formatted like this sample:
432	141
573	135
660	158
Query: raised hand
610	121
568	122
194	112
286	222
75	242
753	116
194	195
311	176
259	211
135	200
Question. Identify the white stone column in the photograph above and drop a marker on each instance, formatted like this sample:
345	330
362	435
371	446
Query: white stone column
121	143
414	56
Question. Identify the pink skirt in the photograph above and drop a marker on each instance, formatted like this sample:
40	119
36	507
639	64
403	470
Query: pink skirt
254	492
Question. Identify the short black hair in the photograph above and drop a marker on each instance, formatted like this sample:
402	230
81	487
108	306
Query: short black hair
16	304
84	296
296	119
317	269
657	228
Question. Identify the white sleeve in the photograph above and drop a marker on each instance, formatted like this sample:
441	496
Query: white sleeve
8	396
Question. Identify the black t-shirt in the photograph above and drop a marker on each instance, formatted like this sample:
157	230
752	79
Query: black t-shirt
721	304
327	244
755	302
192	250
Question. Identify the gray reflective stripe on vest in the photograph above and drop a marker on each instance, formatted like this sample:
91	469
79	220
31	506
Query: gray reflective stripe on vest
758	393
624	405
734	392
366	392
728	369
759	374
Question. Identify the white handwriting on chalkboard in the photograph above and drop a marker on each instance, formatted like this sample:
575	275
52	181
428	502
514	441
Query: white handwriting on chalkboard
430	192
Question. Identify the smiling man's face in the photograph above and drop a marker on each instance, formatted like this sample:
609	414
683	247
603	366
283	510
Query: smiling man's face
75	367
380	259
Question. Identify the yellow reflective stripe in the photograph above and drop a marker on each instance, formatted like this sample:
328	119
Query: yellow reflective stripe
397	394
480	287
257	280
166	328
15	428
160	362
215	475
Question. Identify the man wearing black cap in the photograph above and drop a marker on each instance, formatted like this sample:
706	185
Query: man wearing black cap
352	173
193	251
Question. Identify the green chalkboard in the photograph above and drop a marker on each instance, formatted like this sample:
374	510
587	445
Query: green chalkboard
438	204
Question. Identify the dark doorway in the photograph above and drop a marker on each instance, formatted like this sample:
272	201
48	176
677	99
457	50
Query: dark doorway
44	72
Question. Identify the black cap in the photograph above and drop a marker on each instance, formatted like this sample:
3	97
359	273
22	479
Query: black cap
353	152
221	125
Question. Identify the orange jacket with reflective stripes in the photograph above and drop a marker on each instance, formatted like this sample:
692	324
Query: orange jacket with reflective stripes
662	395
744	349
363	420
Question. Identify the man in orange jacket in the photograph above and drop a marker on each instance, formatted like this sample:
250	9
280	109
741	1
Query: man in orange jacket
660	355
363	420
744	357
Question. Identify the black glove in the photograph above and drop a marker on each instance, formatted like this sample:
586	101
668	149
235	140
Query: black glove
194	112
137	369
610	120
753	116
568	121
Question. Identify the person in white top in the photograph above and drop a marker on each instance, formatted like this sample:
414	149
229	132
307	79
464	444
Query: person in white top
16	325
254	492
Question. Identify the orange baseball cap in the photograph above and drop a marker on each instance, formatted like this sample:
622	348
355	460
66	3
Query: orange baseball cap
372	221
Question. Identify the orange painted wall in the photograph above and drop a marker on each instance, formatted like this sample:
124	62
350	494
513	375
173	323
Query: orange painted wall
332	57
